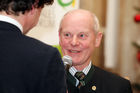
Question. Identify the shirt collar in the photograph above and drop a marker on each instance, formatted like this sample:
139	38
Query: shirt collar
73	70
12	21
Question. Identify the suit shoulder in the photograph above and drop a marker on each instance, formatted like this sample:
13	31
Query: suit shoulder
34	43
37	47
113	82
107	76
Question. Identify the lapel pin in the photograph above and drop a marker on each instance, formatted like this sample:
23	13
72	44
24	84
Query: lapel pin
94	88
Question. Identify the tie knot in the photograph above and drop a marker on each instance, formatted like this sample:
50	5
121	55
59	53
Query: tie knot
79	75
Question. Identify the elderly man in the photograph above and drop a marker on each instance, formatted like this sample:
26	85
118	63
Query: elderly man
26	64
79	36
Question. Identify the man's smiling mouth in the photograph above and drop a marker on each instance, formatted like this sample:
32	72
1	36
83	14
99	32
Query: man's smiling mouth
74	51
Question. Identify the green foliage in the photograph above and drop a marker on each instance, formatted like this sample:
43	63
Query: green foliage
59	49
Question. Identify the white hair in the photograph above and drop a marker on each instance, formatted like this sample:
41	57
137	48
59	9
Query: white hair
96	25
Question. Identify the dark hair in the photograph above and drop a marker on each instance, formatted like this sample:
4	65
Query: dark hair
16	6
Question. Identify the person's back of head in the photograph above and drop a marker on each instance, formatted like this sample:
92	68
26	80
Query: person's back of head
17	6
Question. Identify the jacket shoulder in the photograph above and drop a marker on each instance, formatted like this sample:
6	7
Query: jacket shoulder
109	76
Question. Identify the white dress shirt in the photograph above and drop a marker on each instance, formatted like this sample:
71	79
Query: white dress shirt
12	21
73	70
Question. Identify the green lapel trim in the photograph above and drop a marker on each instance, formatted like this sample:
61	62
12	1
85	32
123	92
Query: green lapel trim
71	79
89	75
87	79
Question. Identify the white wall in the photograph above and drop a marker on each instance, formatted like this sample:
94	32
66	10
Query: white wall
111	33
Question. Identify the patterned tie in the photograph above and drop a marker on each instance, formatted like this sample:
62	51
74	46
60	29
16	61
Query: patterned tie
80	76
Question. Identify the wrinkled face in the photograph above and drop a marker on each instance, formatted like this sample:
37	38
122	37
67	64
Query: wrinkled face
78	40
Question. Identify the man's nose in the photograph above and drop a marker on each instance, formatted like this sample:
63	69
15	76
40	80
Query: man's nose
75	41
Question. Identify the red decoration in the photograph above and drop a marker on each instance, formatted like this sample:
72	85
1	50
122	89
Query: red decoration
138	52
138	56
137	18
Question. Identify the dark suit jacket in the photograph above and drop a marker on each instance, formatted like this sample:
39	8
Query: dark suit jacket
28	65
99	81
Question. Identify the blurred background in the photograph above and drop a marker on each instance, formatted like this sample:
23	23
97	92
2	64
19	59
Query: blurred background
120	21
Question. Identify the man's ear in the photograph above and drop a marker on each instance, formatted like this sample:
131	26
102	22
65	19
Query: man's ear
59	32
98	39
32	10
